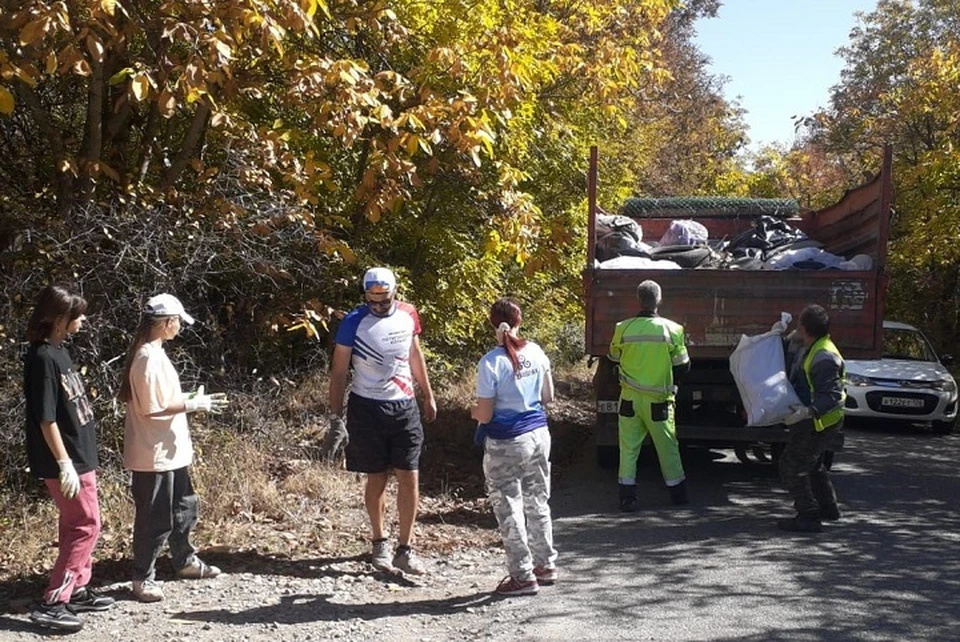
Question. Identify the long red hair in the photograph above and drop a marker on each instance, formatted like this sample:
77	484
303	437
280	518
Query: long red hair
507	310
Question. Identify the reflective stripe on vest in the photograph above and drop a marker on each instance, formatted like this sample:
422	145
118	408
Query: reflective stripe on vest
834	416
639	387
646	338
653	374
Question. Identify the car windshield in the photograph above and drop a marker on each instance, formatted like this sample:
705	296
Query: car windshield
906	344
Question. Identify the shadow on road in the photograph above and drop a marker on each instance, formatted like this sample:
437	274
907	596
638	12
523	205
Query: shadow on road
889	569
301	609
112	571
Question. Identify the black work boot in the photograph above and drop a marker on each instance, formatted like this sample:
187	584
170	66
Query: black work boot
628	498
678	493
806	522
829	512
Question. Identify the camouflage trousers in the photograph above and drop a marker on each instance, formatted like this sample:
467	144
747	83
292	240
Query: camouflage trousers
802	468
518	484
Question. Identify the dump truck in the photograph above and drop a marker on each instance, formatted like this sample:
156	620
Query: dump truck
717	306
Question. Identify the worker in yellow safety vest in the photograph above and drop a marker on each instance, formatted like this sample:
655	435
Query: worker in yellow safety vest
652	357
814	425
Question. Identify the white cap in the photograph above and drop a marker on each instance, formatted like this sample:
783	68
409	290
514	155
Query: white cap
379	280
166	305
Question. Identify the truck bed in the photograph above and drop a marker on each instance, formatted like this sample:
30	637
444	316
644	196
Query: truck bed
716	306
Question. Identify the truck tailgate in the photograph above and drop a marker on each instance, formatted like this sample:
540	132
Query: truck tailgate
717	306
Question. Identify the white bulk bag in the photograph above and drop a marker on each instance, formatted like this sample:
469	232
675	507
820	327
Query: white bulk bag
758	367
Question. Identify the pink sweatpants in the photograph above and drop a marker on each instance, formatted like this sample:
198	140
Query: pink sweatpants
79	530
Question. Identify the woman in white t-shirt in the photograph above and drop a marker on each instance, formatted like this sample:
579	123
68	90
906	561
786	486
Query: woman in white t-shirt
513	385
158	451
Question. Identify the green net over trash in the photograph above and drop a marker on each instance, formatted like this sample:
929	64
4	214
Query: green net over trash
707	206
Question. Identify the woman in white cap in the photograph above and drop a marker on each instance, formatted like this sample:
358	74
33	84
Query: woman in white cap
157	449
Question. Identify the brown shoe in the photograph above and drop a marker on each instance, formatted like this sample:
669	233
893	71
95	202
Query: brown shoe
546	575
509	587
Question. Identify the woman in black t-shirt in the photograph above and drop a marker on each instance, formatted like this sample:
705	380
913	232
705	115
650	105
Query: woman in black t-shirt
62	451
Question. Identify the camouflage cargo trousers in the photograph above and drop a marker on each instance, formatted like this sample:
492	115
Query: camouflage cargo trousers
802	468
518	484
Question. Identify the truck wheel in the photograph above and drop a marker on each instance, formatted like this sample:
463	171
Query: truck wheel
760	452
608	457
776	450
741	453
944	427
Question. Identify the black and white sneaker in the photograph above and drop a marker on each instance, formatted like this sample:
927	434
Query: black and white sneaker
56	616
88	599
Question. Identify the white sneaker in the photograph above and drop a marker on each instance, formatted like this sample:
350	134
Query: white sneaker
380	555
198	570
147	591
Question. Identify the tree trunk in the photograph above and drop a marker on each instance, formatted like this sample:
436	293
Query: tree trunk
93	136
62	177
189	146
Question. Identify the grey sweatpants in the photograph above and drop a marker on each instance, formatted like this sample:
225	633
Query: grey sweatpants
166	510
518	484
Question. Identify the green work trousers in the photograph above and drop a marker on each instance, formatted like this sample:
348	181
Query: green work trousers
641	415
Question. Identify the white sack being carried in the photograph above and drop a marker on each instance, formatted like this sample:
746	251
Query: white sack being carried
758	368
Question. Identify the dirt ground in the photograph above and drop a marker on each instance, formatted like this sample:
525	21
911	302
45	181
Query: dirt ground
301	585
271	598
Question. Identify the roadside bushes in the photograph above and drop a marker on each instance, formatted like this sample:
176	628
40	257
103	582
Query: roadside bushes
246	284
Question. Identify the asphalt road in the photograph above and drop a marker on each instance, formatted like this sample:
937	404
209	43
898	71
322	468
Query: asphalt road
719	569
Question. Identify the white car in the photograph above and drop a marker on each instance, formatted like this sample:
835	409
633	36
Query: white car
909	383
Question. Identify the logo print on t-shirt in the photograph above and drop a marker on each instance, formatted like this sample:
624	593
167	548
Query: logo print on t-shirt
526	368
73	386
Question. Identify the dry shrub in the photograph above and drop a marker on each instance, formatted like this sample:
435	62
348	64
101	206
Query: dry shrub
29	528
262	486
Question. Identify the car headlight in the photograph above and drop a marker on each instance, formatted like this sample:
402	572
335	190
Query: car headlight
858	380
945	385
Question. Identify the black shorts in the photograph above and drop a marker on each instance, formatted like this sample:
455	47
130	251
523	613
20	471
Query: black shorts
383	435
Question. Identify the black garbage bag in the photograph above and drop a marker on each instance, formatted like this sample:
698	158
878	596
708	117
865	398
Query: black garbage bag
747	253
620	242
746	263
607	224
767	233
686	256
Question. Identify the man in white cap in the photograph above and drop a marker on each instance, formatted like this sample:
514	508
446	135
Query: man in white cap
380	339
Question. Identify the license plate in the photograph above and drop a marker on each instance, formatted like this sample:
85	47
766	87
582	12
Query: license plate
901	402
607	407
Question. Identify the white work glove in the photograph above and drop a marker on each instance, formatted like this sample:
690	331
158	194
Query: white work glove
799	414
336	439
69	479
197	400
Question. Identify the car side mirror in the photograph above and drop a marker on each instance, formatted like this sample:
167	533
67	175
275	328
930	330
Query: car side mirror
946	359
